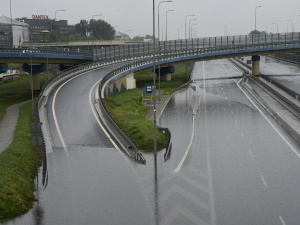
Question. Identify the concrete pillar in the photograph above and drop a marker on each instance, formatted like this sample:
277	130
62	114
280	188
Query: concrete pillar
36	82
130	81
168	77
255	65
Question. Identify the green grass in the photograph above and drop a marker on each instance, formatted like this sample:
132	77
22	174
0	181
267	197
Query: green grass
129	112
17	169
17	162
16	91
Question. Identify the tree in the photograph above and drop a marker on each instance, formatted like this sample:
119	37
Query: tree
100	29
82	28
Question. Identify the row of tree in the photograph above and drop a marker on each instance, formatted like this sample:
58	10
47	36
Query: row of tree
89	30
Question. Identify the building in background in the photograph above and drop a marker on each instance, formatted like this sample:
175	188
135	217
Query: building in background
39	24
13	32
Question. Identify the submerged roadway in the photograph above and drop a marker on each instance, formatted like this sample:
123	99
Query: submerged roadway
230	162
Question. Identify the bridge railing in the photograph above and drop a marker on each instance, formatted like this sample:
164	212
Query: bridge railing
45	50
195	45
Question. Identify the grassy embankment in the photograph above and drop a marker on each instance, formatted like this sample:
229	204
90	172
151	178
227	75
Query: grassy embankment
129	112
17	162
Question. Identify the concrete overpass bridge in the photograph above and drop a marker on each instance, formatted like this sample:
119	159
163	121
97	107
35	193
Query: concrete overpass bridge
191	50
166	52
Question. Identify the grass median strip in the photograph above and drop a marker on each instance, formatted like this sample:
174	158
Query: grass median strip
128	111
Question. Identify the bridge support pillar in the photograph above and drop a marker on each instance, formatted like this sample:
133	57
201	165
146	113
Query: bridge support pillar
130	81
168	77
255	65
124	83
35	70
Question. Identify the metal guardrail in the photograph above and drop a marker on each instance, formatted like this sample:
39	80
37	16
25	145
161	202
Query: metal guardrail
286	89
280	96
58	51
137	156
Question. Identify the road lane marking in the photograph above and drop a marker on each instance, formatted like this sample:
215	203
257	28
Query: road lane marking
96	117
209	169
53	107
186	154
282	221
236	122
242	135
251	154
264	181
55	118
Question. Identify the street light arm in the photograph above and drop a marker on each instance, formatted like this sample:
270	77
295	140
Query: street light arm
185	23
158	17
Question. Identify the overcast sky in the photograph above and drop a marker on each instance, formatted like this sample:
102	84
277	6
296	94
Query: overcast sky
136	15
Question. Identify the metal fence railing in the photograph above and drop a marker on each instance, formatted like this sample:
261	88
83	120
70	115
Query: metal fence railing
208	44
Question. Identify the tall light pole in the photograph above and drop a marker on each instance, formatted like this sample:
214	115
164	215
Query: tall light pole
292	24
185	23
277	26
190	26
192	29
255	15
158	17
59	10
11	25
171	10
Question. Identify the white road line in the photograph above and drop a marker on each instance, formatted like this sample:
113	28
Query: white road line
242	135
209	169
264	181
251	154
223	93
96	117
236	122
55	118
272	125
231	112
53	108
282	221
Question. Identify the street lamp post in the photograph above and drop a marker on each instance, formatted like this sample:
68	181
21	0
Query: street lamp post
190	26
171	10
277	26
185	23
192	29
255	15
158	30
292	24
158	18
59	10
11	26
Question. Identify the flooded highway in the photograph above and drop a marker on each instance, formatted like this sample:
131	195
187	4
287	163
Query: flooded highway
230	162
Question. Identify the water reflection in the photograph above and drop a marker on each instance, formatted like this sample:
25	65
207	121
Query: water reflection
38	215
